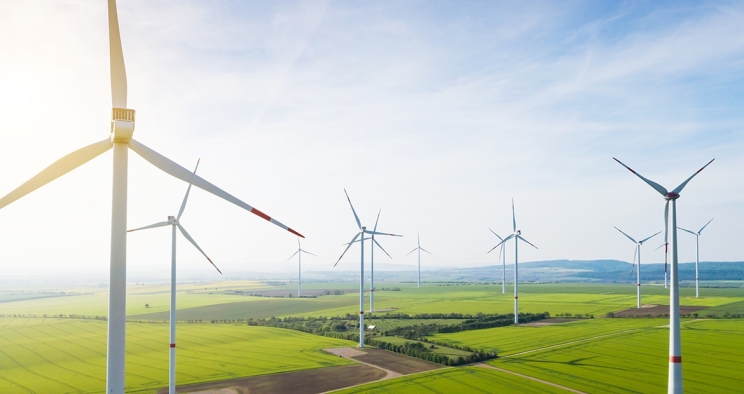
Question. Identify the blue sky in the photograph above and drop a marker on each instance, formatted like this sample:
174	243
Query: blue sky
436	112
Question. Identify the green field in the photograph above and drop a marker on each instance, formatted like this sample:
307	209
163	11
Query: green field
69	356
638	361
447	351
456	380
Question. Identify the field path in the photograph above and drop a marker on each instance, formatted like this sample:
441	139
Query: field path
572	342
483	365
350	353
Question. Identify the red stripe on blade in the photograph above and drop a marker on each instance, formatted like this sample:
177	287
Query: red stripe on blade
260	214
675	359
295	233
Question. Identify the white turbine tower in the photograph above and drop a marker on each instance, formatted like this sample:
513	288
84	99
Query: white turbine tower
120	139
372	264
175	222
419	248
697	255
362	231
503	265
517	235
674	384
299	253
637	254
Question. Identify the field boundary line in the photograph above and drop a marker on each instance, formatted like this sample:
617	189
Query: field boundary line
572	342
487	366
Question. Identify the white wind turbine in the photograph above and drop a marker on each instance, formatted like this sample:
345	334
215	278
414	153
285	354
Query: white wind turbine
419	248
697	255
362	231
517	235
120	139
372	264
674	384
637	254
175	222
503	266
299	253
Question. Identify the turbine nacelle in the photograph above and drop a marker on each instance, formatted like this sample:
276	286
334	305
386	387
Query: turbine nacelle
671	196
122	125
172	220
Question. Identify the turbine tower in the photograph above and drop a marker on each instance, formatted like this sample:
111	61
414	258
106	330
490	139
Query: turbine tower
362	231
503	266
372	264
120	139
175	222
299	253
419	248
517	235
697	255
674	385
637	254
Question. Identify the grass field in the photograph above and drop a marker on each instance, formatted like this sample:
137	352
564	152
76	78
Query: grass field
638	361
68	355
456	380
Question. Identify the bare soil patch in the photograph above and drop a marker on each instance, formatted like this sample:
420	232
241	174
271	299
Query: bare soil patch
311	381
395	362
345	352
550	322
657	310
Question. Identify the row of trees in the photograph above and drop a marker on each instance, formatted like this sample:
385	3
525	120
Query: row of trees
419	350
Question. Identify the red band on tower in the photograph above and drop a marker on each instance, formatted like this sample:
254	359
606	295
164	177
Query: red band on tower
172	345
361	312
675	359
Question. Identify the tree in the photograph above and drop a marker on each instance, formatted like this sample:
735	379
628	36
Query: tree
147	305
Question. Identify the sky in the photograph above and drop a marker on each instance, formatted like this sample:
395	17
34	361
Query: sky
437	113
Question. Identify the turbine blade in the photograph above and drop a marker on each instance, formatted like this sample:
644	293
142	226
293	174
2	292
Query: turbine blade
528	242
186	197
706	225
306	252
427	251
514	217
185	175
500	252
686	230
185	234
377	220
116	58
679	188
293	255
347	248
501	243
629	237
660	246
379	233
161	224
651	183
57	169
381	248
359	224
494	233
414	249
646	239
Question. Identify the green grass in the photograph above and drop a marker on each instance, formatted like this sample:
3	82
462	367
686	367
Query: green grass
67	355
638	361
735	308
459	380
382	324
447	351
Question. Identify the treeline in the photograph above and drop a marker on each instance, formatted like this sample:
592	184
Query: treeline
419	350
60	316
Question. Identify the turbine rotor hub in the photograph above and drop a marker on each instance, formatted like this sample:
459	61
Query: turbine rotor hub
671	196
172	220
122	125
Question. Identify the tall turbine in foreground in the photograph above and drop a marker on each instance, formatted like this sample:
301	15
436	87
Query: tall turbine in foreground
299	253
517	235
120	139
697	255
638	256
362	231
503	266
674	385
372	263
175	222
419	248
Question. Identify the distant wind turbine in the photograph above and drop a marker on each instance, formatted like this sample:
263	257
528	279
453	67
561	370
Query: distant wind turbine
419	248
174	222
362	231
674	385
372	264
299	253
503	266
697	255
638	256
517	235
120	139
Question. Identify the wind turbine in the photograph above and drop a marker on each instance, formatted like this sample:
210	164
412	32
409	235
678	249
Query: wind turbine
674	384
419	248
517	235
697	255
120	139
299	253
372	264
362	231
503	266
638	255
175	222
